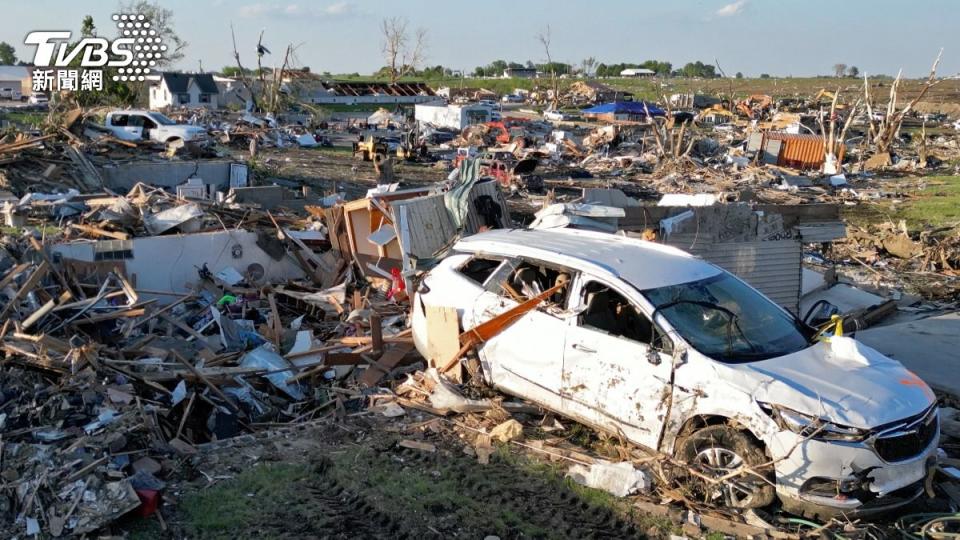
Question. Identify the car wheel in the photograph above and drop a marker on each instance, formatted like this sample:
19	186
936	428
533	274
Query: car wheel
716	452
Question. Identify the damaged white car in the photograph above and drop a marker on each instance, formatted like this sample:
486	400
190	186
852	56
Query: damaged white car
679	356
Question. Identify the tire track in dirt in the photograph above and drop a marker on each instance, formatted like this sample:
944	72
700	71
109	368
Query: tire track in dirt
323	508
546	505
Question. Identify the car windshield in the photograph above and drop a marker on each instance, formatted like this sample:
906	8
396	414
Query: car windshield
728	321
161	119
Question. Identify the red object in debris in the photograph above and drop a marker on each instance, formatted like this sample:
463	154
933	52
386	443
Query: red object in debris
398	284
149	501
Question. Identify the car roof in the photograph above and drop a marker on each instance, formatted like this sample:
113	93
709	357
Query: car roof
645	265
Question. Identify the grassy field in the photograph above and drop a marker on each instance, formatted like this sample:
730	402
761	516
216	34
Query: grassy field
932	201
654	88
25	118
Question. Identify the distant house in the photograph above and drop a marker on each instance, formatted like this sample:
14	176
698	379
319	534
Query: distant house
637	72
15	78
233	93
594	92
368	92
192	90
520	73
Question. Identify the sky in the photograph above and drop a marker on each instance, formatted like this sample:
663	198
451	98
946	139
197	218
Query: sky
779	37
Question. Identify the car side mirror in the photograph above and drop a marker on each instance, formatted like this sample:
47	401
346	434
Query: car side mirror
653	357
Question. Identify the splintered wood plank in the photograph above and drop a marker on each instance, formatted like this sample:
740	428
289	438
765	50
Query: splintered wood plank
443	328
28	286
390	359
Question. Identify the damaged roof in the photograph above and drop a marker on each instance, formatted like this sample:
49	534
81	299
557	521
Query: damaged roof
373	88
645	265
180	82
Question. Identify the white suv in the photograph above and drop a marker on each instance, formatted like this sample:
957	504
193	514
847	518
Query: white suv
679	356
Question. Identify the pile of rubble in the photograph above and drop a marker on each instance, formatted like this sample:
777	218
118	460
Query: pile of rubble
108	384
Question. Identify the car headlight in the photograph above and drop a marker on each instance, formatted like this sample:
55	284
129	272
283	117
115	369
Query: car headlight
811	426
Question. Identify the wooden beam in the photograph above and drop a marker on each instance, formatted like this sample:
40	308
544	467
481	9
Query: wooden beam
201	339
28	286
390	359
96	231
213	387
488	329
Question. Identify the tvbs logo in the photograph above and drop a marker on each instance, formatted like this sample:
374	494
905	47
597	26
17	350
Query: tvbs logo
134	52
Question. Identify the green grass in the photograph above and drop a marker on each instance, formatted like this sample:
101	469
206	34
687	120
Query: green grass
24	117
932	201
556	471
238	503
45	230
654	88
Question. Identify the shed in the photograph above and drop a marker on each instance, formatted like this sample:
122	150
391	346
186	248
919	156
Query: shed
795	150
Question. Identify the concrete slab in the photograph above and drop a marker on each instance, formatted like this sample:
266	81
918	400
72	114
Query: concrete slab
928	347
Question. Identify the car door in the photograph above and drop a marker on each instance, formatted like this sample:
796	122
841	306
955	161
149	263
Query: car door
612	376
127	128
455	283
526	358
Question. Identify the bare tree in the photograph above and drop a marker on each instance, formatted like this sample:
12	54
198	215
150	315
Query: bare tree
839	70
241	72
161	21
885	131
587	65
833	140
401	55
544	39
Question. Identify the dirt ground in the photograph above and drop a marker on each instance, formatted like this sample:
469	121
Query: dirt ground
353	479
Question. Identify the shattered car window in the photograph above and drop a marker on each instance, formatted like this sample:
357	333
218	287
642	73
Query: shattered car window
520	280
728	321
162	119
607	311
478	269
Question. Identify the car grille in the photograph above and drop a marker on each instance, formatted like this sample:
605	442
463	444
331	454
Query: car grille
906	442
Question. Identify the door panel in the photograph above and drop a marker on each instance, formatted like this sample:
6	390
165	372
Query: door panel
611	376
525	359
610	381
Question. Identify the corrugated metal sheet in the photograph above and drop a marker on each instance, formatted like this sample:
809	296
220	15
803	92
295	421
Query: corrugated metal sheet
474	220
424	225
798	150
822	232
772	267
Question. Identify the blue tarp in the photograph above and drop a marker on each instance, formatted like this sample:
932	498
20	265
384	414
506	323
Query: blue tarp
625	107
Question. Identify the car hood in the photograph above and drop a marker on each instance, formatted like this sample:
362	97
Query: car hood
843	381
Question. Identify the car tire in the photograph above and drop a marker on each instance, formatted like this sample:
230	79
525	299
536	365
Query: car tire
715	451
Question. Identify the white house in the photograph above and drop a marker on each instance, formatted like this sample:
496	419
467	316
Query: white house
14	82
192	90
637	72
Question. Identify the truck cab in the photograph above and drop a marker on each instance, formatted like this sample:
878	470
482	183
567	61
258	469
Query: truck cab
136	125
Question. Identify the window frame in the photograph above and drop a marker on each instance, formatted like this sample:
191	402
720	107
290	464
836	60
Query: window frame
667	343
511	264
459	268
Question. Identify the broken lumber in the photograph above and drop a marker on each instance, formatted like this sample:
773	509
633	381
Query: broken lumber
488	329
